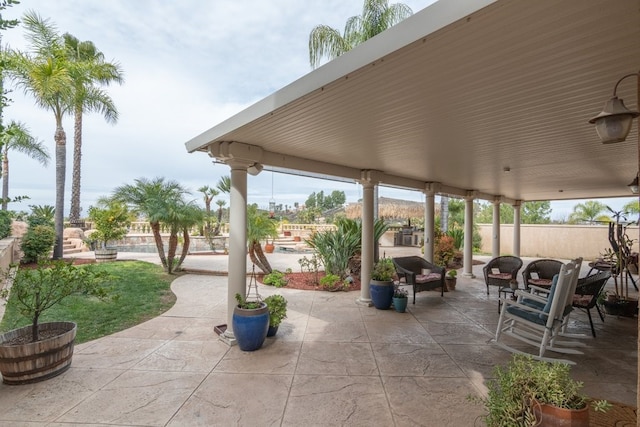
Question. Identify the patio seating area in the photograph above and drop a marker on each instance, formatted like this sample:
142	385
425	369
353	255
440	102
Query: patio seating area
333	362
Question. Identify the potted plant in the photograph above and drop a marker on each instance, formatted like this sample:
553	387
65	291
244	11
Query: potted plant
109	223
250	323
529	392
277	305
451	279
40	351
381	286
400	298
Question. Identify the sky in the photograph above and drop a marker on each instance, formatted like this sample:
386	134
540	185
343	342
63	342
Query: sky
188	65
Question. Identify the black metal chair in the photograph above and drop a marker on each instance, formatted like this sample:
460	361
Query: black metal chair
586	295
501	271
410	269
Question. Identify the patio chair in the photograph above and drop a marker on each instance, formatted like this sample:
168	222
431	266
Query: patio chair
586	294
501	271
538	327
409	270
540	272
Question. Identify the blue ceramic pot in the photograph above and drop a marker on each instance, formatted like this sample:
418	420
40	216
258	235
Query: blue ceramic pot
250	327
381	294
400	304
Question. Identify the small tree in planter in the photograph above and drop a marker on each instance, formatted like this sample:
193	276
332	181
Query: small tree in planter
33	353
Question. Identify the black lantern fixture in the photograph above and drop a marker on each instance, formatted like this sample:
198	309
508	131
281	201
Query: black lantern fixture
614	122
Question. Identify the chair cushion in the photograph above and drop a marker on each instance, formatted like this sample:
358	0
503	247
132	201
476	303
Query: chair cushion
504	276
424	278
582	300
547	306
527	315
545	283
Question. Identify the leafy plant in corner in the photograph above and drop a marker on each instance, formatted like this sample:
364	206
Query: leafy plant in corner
452	274
277	305
332	282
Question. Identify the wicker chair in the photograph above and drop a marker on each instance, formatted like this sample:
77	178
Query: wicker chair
544	269
410	269
507	266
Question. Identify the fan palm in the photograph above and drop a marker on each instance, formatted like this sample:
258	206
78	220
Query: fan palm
88	98
16	137
45	73
160	202
377	16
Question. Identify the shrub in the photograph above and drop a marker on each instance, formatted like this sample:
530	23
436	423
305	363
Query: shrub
444	250
41	215
275	278
37	243
332	282
5	224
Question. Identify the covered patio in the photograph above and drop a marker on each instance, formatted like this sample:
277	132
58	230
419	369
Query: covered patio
332	363
472	99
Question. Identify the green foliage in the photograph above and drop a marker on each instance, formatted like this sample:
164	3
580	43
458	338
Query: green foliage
275	278
110	223
511	394
530	213
587	212
5	224
322	203
336	247
332	283
457	234
41	215
247	305
277	305
37	243
312	265
143	292
383	270
37	290
452	273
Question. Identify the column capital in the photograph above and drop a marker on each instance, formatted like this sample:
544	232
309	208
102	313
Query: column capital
370	177
238	151
517	203
498	199
431	188
471	195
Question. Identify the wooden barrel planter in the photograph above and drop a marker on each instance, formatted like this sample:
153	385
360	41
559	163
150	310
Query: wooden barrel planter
106	255
36	361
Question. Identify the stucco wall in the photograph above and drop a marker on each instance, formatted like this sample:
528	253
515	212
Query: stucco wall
554	241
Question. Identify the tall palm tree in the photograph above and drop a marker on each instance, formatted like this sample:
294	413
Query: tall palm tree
16	137
88	98
224	185
259	227
208	194
185	216
588	211
377	16
160	202
45	74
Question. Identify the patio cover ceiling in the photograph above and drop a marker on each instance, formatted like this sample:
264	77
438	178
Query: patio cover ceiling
456	94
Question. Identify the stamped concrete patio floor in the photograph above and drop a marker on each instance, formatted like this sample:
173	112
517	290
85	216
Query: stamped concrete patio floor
332	363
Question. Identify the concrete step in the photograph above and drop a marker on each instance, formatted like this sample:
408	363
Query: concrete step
71	251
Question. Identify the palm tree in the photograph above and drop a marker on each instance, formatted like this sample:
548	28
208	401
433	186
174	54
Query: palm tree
16	137
259	227
45	74
88	98
186	215
588	211
224	185
208	194
377	16
160	201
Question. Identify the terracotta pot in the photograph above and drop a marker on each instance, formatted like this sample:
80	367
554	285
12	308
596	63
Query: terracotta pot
269	248
451	283
552	416
297	238
40	360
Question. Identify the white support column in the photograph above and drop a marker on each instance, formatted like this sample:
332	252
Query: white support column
495	232
468	235
429	220
369	180
237	281
516	227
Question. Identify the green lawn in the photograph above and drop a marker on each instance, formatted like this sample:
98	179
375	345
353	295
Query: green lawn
142	291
